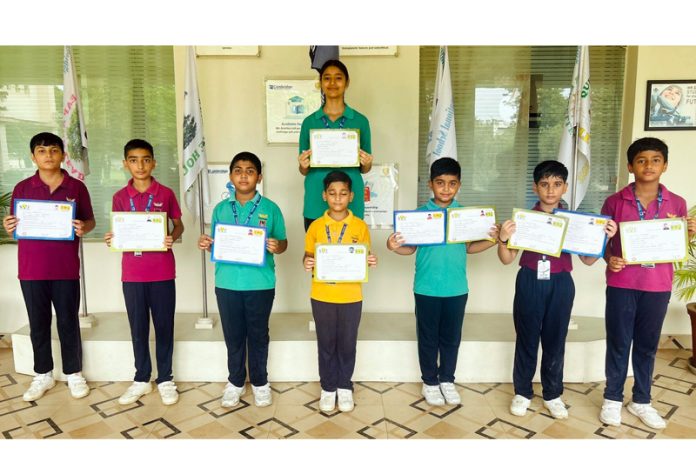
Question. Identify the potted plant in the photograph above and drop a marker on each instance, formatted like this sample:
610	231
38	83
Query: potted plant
4	209
685	285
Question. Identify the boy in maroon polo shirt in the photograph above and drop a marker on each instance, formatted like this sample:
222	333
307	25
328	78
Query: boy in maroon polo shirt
49	270
544	294
148	277
637	295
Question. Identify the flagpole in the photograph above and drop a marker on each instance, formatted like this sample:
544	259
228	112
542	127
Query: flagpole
83	281
202	224
573	190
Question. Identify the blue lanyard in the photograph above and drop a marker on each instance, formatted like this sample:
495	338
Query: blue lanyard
251	213
147	207
641	210
340	237
341	121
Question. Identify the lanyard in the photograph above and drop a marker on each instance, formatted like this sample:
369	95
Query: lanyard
147	207
251	213
641	210
341	121
340	237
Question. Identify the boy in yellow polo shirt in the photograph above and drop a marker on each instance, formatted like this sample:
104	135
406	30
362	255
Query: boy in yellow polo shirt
336	307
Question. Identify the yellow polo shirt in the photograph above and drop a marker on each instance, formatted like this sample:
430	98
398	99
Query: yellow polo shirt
356	232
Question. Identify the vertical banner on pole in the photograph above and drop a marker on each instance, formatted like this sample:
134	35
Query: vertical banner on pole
442	138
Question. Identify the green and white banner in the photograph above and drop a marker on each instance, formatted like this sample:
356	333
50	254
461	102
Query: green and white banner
74	132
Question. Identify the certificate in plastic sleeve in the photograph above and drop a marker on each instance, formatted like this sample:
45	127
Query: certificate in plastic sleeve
469	224
420	227
538	232
237	244
44	220
340	263
334	148
586	235
138	231
654	241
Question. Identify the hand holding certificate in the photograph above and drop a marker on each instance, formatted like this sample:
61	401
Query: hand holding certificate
420	227
469	224
138	231
44	220
340	263
239	244
586	235
654	241
334	148
538	232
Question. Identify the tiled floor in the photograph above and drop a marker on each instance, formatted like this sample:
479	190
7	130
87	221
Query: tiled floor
382	411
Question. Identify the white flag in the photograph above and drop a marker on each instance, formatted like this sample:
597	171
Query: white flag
442	139
578	116
194	160
74	132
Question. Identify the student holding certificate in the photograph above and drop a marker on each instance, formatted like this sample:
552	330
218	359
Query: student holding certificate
148	276
334	114
336	307
441	290
245	292
544	293
637	295
49	270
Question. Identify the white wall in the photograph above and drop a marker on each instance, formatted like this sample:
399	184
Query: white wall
386	90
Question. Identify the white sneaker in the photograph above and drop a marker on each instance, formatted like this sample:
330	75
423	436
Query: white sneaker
449	392
647	414
345	400
327	402
433	395
231	395
39	385
78	385
262	395
611	412
134	392
557	408
168	393
519	405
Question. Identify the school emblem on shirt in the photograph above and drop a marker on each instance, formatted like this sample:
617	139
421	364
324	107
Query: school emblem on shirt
263	219
160	204
68	199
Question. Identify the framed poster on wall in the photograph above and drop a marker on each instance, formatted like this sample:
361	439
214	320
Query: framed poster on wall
288	102
670	105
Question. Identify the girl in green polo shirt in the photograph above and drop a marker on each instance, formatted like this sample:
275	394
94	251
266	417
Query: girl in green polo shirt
334	114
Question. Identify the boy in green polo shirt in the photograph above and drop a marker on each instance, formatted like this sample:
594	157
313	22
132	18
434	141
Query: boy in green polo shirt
245	293
441	290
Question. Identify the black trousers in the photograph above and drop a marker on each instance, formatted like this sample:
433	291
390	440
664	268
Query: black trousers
160	299
65	297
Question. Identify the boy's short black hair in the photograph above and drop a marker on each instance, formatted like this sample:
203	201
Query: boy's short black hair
137	144
46	139
337	176
335	63
445	165
550	168
249	157
643	144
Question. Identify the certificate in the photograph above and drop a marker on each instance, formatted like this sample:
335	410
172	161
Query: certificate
239	244
420	227
654	241
44	220
334	148
538	232
138	231
340	263
469	224
585	234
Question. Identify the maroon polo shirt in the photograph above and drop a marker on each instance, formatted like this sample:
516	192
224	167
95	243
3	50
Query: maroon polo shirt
52	259
563	263
151	266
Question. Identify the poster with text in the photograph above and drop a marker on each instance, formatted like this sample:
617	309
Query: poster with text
288	102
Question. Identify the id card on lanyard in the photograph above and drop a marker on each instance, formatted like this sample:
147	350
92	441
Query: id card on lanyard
642	212
543	269
147	210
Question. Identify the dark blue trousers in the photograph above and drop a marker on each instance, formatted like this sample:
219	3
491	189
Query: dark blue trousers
337	339
439	329
244	316
160	299
65	296
632	316
541	312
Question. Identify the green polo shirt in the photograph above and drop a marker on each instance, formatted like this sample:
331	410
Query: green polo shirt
314	204
441	269
240	277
